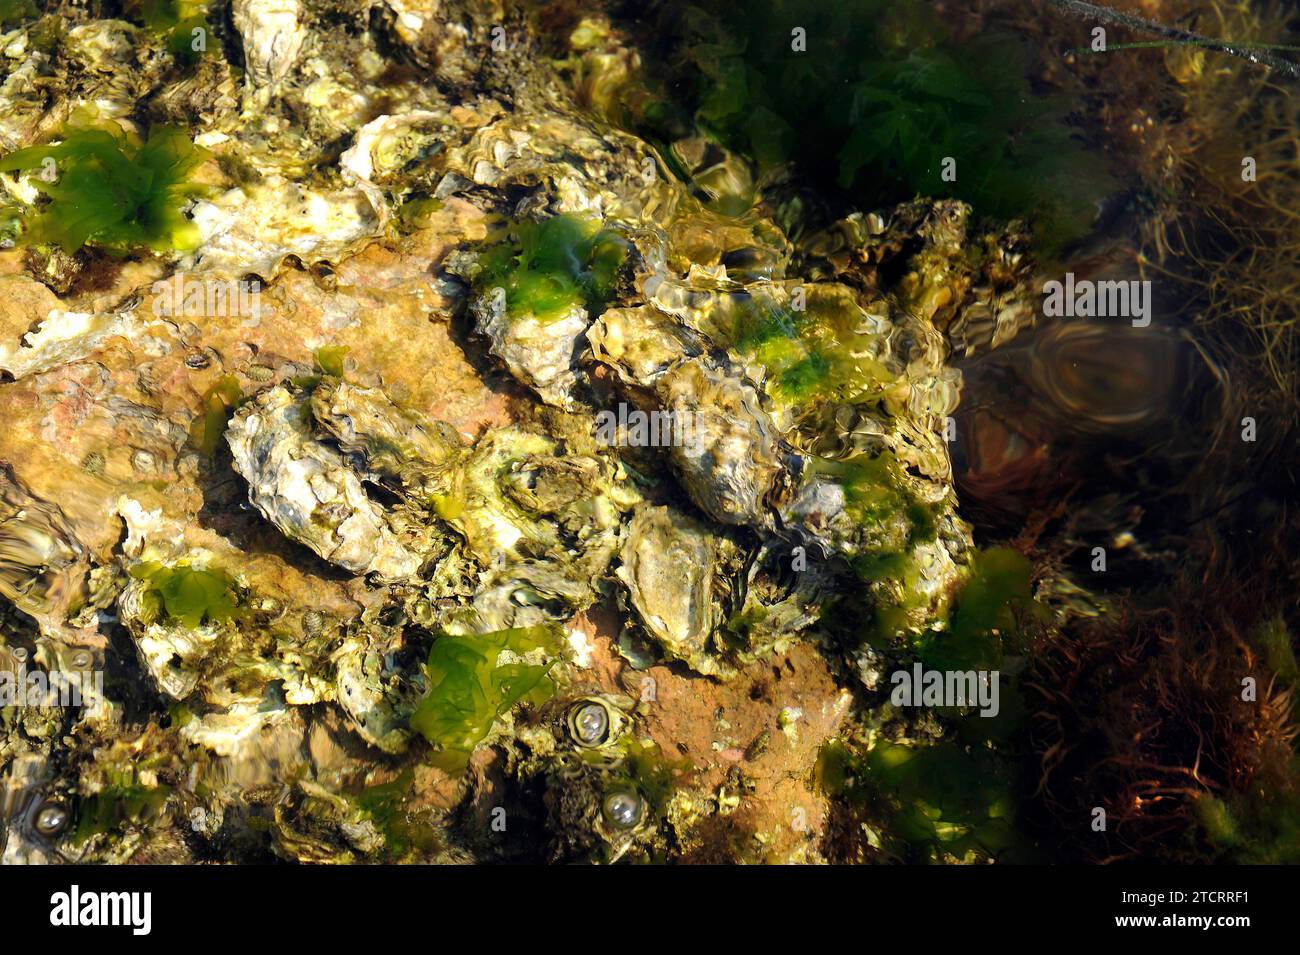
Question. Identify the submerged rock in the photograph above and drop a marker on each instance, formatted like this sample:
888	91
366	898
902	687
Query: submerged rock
369	549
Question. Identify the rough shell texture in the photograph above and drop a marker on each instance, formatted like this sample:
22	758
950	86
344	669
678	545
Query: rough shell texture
305	488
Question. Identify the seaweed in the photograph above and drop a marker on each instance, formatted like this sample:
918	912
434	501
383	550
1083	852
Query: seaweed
880	98
13	12
174	22
811	354
218	401
108	190
469	690
189	596
985	619
383	805
929	801
548	267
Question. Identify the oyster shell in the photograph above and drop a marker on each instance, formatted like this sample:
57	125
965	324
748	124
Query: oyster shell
669	565
541	355
386	144
640	346
42	564
372	692
253	228
403	449
273	38
305	488
735	462
521	499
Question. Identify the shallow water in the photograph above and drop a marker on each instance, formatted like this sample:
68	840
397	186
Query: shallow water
378	545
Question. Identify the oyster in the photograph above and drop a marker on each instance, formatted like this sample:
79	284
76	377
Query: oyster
669	565
273	38
734	463
42	565
640	346
253	228
402	449
305	488
371	691
541	355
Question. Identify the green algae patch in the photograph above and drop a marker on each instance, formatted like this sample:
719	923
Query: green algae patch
928	803
107	190
875	492
1261	827
330	359
123	801
114	808
945	796
470	689
174	22
187	596
654	775
879	101
812	354
416	214
987	615
14	12
218	401
1273	638
548	267
403	832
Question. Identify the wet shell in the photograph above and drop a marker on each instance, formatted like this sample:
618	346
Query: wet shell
733	462
668	569
539	354
272	35
305	488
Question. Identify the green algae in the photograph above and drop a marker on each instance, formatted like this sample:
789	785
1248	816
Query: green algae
13	12
218	401
384	806
330	359
879	99
174	22
107	190
1274	639
187	596
875	492
809	353
548	267
1261	827
414	214
985	621
469	691
123	801
646	768
876	495
928	801
117	807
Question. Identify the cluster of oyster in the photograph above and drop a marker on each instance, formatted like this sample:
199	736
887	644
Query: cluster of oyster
258	541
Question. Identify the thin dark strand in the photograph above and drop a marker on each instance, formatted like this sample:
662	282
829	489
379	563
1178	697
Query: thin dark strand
1093	11
1170	44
